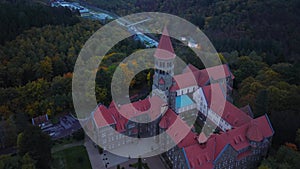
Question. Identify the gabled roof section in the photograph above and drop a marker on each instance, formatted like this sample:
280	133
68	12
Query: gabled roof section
184	80
231	114
168	119
247	109
234	116
201	156
177	129
190	68
219	72
103	117
192	76
202	138
189	139
237	137
150	106
201	152
254	133
114	114
40	119
165	49
161	81
264	126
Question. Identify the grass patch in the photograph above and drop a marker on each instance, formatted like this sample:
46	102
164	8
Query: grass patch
71	158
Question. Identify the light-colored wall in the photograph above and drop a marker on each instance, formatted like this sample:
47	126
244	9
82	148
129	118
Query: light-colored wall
186	90
202	106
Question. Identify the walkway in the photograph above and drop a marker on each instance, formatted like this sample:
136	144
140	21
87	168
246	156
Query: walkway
94	155
153	163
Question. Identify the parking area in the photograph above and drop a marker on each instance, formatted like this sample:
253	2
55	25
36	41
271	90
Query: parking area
66	126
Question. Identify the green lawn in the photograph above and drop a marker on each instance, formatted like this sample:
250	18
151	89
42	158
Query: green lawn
71	158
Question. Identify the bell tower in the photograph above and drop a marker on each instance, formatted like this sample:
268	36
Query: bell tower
164	67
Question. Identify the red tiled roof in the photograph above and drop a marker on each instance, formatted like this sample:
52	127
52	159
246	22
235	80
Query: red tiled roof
222	107
119	115
234	116
220	143
216	72
217	142
174	87
219	72
120	120
40	119
168	119
165	49
190	68
177	129
189	139
103	117
192	76
254	133
201	156
218	94
161	81
142	107
237	137
202	77
202	138
264	126
185	80
112	104
247	109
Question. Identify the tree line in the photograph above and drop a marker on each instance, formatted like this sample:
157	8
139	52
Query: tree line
18	17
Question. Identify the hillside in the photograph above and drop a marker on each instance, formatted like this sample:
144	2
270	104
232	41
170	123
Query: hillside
266	27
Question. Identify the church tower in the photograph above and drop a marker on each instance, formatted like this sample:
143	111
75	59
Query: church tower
164	67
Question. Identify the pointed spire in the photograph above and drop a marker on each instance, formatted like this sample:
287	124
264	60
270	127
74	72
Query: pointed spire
165	48
161	81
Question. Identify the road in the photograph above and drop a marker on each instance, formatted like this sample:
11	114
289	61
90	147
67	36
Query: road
94	12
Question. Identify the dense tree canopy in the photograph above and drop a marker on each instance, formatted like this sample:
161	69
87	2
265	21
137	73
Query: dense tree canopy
267	27
17	17
29	147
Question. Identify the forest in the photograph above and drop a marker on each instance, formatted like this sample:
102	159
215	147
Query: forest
39	45
268	27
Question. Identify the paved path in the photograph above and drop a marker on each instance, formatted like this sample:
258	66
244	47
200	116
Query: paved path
153	163
98	161
65	146
94	155
112	160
